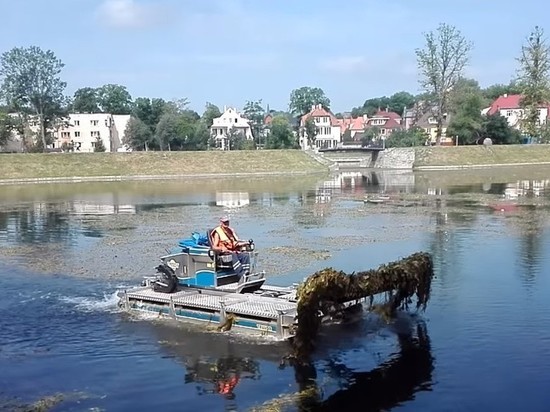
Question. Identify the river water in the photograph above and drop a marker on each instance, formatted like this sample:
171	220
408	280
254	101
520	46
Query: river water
482	344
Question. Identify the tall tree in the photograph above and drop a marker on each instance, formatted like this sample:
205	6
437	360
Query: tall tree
399	101
211	112
31	83
85	101
465	104
166	131
497	128
114	99
496	90
149	111
255	113
310	131
6	126
137	135
281	135
302	99
441	63
534	80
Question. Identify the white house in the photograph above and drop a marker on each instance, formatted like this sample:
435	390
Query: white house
82	130
508	106
230	122
329	133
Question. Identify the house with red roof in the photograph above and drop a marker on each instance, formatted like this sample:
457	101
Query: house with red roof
508	106
328	128
387	122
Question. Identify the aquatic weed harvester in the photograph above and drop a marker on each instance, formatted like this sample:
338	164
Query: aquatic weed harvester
194	283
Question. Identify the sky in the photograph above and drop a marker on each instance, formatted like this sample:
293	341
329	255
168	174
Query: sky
229	51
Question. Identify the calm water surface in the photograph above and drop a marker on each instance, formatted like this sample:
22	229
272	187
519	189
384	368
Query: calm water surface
482	344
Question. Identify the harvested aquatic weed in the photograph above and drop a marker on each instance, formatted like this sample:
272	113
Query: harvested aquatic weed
326	291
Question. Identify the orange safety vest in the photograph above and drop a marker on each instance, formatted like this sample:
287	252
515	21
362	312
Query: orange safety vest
227	241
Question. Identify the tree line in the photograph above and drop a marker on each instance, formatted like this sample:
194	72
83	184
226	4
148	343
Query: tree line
32	87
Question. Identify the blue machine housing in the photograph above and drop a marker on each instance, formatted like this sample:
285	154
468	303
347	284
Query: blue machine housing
196	264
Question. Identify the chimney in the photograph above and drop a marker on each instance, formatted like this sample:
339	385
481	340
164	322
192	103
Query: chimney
313	107
505	95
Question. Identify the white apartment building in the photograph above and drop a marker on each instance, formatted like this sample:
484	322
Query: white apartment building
83	129
231	121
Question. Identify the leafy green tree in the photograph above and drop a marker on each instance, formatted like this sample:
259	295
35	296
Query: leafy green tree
395	103
400	100
255	113
534	80
497	128
302	100
407	138
370	135
441	63
201	138
311	131
149	111
167	130
465	104
31	84
137	135
7	124
85	101
114	99
99	146
281	135
494	91
210	113
187	131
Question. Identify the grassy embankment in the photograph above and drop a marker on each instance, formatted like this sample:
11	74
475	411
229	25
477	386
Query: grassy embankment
480	156
105	166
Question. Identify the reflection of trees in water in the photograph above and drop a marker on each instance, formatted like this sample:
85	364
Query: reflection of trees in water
531	232
42	224
393	382
312	209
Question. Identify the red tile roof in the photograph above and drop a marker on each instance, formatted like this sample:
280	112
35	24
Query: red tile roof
390	124
320	111
510	101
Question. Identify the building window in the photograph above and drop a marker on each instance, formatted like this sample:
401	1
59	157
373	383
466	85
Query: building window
382	131
94	133
77	122
94	122
509	113
76	134
65	135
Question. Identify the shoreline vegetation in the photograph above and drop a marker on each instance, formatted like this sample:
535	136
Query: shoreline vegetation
82	167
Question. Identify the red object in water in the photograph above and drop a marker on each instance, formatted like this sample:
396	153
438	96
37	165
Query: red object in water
504	207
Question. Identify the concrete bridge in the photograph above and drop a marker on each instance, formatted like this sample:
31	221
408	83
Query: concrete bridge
369	157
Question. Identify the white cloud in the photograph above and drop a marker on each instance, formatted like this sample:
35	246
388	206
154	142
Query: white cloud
129	14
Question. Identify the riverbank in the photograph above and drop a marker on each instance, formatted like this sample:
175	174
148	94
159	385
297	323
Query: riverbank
471	157
83	167
75	167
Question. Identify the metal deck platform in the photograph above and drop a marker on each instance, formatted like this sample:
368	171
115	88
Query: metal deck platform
268	311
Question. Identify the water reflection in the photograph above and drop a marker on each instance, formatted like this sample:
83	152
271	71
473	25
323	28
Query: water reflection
395	381
41	223
217	366
232	199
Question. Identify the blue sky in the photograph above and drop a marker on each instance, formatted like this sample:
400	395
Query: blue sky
230	51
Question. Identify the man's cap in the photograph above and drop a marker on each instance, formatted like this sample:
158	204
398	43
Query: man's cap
224	219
